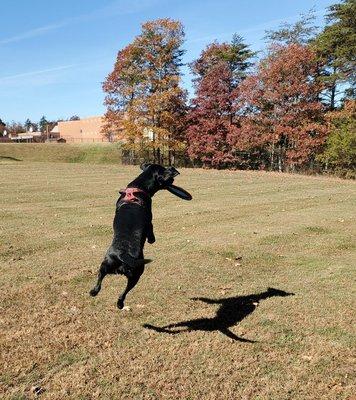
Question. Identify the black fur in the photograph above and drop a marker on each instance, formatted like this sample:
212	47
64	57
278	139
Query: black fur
132	227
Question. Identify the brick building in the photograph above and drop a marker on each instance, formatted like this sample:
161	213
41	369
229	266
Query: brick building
86	130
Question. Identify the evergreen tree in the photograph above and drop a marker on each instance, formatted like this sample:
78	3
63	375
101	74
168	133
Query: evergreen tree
336	49
43	124
236	55
28	124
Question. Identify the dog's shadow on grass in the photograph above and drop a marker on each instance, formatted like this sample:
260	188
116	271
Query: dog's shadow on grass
232	310
9	158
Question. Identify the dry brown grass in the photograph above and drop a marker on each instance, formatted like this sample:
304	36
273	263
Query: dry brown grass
293	232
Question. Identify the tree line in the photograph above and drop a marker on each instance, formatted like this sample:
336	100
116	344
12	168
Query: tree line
290	109
43	125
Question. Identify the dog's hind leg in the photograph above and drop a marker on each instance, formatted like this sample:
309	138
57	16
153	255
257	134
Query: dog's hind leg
105	268
150	235
131	283
164	329
231	335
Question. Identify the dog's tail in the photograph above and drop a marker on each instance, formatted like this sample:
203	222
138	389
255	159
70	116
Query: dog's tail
133	262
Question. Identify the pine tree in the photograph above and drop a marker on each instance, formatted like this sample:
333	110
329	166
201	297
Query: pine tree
336	49
236	55
28	124
43	124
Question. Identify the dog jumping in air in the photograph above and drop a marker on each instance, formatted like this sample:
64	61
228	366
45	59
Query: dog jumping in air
133	225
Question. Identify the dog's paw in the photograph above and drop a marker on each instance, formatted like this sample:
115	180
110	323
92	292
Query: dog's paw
151	240
120	304
93	292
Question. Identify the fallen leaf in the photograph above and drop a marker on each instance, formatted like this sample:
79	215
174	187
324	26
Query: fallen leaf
37	390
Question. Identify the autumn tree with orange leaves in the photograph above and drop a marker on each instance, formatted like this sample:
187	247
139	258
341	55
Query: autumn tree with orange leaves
282	111
145	103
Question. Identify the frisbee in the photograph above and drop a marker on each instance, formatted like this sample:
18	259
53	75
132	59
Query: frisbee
178	191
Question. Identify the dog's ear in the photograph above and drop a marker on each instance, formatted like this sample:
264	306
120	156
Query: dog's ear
170	172
144	166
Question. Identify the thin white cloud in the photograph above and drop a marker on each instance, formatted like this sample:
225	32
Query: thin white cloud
32	33
43	72
118	7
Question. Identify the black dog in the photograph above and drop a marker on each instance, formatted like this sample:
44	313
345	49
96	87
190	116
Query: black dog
133	225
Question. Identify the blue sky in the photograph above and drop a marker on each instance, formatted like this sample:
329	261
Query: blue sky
55	54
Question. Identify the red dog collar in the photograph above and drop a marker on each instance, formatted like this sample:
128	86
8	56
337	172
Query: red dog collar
130	194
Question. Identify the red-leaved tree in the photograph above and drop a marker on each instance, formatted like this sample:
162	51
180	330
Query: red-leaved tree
282	113
212	122
210	132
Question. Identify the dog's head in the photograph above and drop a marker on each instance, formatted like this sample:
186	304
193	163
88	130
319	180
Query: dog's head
163	178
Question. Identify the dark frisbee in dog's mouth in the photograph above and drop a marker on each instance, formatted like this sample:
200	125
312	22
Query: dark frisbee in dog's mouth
178	191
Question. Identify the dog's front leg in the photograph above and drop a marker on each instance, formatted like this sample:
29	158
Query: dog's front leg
105	268
150	235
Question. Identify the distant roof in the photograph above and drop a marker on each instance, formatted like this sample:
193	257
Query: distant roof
94	118
25	135
55	129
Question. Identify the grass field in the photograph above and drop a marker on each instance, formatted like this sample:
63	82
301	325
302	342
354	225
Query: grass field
243	233
96	153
